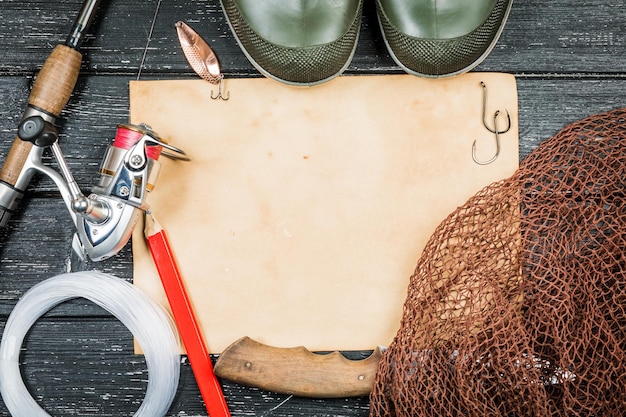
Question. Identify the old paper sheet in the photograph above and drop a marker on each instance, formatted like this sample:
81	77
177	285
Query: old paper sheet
303	211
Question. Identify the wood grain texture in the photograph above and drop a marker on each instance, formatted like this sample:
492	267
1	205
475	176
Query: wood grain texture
296	370
540	37
569	57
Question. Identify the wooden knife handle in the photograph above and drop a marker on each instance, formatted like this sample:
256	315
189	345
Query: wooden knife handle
297	371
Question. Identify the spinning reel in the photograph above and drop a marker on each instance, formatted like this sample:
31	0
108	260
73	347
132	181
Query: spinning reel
105	219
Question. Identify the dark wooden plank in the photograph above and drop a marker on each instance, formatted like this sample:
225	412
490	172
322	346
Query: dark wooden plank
568	56
546	105
80	367
37	245
574	36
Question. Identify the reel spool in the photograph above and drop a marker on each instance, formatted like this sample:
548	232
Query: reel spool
128	172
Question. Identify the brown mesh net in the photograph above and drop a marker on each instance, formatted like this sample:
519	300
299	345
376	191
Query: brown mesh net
517	306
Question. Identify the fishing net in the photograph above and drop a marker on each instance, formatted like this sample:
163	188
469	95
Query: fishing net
517	306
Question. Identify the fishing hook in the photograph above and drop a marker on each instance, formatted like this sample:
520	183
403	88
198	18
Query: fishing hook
508	116
497	133
220	95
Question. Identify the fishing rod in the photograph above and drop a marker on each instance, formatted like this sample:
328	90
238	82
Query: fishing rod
50	93
105	219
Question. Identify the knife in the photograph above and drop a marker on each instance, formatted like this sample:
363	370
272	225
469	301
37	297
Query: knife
297	370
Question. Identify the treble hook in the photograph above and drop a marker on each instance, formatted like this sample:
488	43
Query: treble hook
508	116
220	91
497	133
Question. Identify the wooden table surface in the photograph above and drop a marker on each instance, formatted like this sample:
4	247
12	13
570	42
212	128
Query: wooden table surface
569	58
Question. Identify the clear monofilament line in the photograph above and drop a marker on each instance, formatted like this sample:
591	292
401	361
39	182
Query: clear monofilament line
146	320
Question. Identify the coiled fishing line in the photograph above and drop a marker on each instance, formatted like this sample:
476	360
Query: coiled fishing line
147	321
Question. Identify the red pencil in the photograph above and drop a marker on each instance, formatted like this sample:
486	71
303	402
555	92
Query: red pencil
185	319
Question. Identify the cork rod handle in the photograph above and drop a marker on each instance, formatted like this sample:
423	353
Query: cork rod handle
51	92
